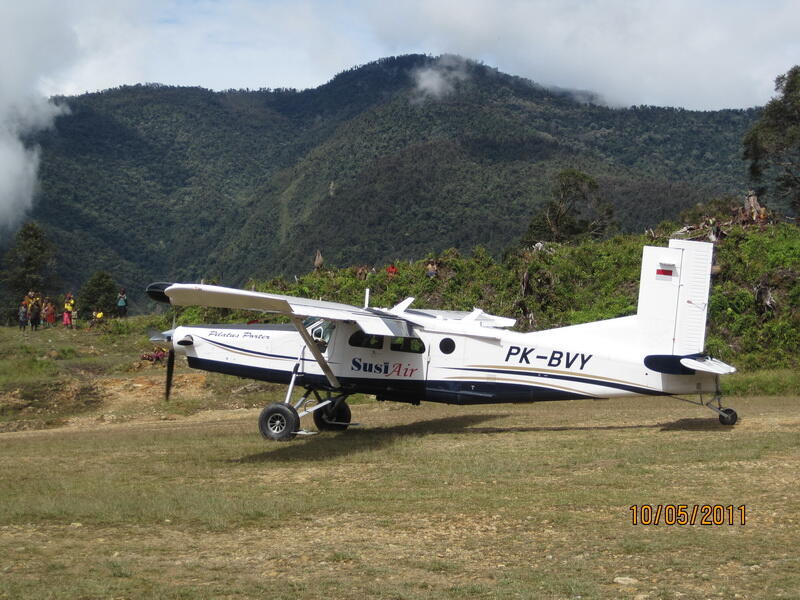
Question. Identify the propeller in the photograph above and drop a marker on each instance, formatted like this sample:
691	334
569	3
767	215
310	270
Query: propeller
170	371
156	291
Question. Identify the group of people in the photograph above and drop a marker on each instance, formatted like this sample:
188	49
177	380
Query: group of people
363	272
36	311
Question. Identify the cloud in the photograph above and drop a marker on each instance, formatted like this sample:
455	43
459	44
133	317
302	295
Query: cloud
700	55
440	78
33	41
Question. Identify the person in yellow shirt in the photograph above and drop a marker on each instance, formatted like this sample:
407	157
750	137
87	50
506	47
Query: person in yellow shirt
69	307
97	317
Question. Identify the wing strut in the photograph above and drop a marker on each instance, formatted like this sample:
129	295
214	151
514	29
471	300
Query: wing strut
312	346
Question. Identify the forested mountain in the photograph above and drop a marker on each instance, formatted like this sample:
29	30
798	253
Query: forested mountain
389	160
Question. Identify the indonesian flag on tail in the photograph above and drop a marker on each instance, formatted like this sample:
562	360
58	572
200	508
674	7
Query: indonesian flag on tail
665	272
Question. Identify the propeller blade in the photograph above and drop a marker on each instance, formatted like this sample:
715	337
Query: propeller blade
170	370
159	337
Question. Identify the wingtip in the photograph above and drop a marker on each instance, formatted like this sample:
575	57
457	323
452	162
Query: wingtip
156	291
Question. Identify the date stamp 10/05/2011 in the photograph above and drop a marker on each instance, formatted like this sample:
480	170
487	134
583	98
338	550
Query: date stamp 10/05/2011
688	514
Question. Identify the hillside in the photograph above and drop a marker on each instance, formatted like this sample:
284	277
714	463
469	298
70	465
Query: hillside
163	183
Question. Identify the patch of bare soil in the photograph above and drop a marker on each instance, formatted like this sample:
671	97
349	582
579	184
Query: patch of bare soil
137	398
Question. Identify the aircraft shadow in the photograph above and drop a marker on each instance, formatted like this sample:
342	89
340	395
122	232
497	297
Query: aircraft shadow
696	424
330	445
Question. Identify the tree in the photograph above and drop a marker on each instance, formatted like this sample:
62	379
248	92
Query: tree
98	293
773	144
29	263
575	211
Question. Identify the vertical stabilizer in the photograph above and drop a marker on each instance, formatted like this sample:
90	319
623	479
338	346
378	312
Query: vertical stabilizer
673	296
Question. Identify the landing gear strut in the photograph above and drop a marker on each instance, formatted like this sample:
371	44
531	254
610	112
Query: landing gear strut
330	413
727	416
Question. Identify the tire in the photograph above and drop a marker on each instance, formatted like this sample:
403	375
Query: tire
279	422
333	419
728	417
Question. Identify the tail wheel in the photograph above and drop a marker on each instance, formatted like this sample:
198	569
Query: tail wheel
333	417
728	416
279	422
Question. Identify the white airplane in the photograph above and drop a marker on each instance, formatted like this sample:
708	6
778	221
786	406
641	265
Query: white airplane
406	355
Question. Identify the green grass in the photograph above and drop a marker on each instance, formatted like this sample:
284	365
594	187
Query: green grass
432	501
768	382
435	501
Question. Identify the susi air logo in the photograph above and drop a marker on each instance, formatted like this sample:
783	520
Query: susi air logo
525	356
383	368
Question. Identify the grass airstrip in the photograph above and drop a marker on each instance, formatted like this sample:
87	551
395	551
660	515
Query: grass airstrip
129	498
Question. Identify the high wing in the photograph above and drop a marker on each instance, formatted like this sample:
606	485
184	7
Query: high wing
184	294
187	294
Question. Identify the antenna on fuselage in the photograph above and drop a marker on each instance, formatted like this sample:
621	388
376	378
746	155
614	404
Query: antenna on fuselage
366	298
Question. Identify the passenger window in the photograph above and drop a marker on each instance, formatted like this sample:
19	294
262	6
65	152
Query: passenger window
361	340
407	344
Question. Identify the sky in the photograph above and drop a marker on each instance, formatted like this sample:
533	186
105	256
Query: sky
695	54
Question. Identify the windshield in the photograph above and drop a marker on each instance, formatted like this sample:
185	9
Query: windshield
321	330
309	321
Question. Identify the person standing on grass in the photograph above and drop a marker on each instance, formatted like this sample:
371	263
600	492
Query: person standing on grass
49	313
22	315
35	315
122	303
69	307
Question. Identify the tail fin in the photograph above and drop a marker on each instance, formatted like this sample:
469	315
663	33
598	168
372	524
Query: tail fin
673	295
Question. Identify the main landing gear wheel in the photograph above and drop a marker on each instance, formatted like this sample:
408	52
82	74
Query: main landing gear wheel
728	416
333	417
279	422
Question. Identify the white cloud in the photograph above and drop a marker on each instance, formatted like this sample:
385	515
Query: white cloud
696	54
440	78
33	41
692	53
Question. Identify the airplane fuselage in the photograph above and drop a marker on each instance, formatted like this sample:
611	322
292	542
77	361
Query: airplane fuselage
438	367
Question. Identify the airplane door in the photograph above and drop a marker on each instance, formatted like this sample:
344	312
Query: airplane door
455	374
445	359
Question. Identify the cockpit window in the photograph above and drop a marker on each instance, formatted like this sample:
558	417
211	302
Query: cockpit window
407	344
309	321
322	330
362	340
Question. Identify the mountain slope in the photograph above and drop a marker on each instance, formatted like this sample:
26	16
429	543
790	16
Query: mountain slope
154	182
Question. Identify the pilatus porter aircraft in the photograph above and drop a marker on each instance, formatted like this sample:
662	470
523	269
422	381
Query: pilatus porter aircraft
411	355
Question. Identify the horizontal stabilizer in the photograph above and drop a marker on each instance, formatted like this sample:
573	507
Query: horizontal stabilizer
669	364
708	365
